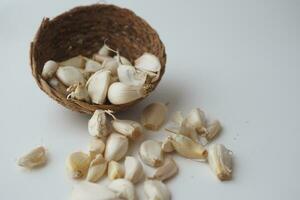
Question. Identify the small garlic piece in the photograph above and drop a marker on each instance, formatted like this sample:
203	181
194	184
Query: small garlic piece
115	170
123	188
58	86
166	171
148	62
111	65
96	146
151	153
97	169
104	50
92	66
124	61
128	128
70	75
134	171
78	164
77	61
98	124
116	147
129	75
120	93
154	115
220	161
156	190
196	119
78	92
35	158
97	86
167	145
213	130
49	69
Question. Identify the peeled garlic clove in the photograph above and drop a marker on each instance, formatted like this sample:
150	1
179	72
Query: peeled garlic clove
151	153
58	86
35	158
124	61
70	75
148	62
213	130
196	120
96	146
120	93
128	128
97	86
134	171
188	148
97	168
115	170
116	147
98	124
104	50
77	61
123	188
78	164
129	75
220	161
78	92
167	145
156	190
166	171
111	65
92	66
49	69
153	116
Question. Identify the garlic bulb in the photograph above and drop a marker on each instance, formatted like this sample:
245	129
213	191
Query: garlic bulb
128	128
70	75
77	61
129	75
120	93
148	62
98	124
97	86
151	153
49	69
154	115
123	188
116	147
166	171
96	146
115	170
78	164
35	158
156	190
78	92
134	171
97	168
124	61
92	66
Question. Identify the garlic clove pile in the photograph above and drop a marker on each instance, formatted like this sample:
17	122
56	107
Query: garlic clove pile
78	164
77	61
35	158
49	69
70	75
116	147
92	66
156	190
97	168
154	115
123	188
78	92
129	128
166	171
129	75
98	124
151	153
96	146
115	170
134	171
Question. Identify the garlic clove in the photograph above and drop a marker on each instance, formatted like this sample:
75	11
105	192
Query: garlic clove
97	86
196	120
123	188
111	65
129	75
177	118
104	50
124	61
92	66
78	164
96	146
148	62
116	147
35	158
120	93
100	58
98	124
167	145
77	61
97	168
115	170
78	92
49	69
220	161
188	131
213	130
70	75
154	115
134	171
166	171
57	85
127	128
151	153
156	190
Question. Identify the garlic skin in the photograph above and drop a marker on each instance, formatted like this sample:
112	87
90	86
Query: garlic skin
128	128
124	61
166	171
78	164
49	69
123	188
35	158
98	124
134	171
148	62
97	86
120	93
96	146
154	115
220	161
115	170
116	147
92	66
167	145
156	190
70	75
129	75
151	153
78	92
97	168
77	61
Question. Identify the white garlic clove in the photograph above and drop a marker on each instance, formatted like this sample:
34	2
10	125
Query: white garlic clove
120	93
156	190
97	168
196	119
123	188
104	50
92	66
116	147
129	75
97	86
151	153
58	86
98	124
148	62
167	145
78	164
111	65
154	115
49	69
100	58
77	61
78	92
134	171
166	171
96	146
129	128
124	61
70	75
115	170
35	158
213	130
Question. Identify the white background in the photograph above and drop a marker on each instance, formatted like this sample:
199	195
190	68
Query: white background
237	60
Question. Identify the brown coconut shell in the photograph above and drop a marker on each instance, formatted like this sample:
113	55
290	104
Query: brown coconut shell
82	31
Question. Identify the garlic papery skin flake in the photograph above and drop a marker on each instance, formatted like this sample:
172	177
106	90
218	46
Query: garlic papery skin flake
92	66
115	170
220	161
116	147
78	164
213	130
35	158
129	128
49	69
96	146
121	93
70	75
77	62
151	153
78	92
154	115
156	190
148	62
98	124
134	171
97	168
123	188
123	60
129	75
167	145
97	86
166	171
